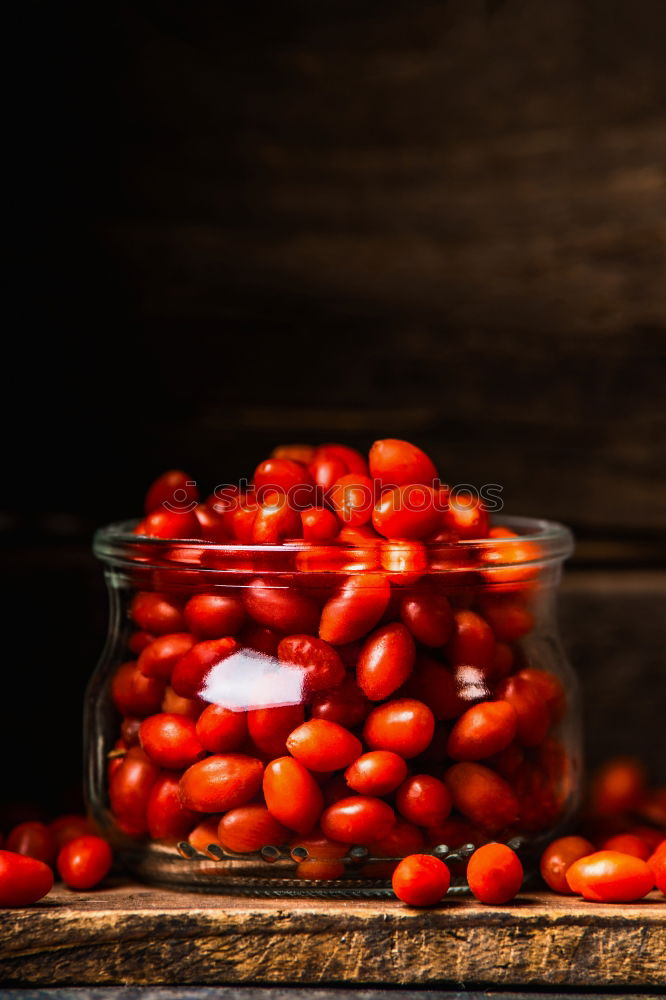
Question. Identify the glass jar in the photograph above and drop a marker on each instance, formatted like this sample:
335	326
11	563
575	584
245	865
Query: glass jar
237	677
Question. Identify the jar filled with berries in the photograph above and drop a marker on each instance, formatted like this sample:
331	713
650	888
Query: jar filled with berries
317	673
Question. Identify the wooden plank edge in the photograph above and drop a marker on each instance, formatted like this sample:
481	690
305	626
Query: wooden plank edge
187	939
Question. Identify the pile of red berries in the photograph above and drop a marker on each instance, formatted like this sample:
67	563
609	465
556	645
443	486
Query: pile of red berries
623	862
321	495
33	849
416	723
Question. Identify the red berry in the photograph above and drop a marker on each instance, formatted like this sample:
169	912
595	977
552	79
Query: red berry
157	613
618	786
213	616
286	475
166	816
548	687
466	517
84	862
352	460
170	524
297	452
508	617
378	772
281	608
220	730
319	525
221	782
407	512
323	746
270	727
129	789
138	641
533	716
135	694
212	527
472	641
483	730
239	519
292	795
34	840
504	560
204	834
249	828
421	880
610	877
352	499
275	520
657	865
346	705
355	608
405	726
177	705
324	859
129	731
399	463
436	687
170	740
423	800
627	843
386	661
160	657
322	667
559	857
22	880
174	487
494	873
260	639
405	562
326	470
360	819
191	671
481	795
427	615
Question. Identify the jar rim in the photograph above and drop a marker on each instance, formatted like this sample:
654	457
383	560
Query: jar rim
117	545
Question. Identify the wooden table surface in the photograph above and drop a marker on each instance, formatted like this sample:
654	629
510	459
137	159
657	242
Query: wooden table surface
135	935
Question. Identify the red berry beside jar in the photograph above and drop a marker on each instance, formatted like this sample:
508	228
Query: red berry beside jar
336	661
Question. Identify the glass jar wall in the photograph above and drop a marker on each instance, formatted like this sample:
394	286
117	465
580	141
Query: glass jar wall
296	719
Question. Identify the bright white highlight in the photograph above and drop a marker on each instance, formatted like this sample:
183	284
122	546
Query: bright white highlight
248	679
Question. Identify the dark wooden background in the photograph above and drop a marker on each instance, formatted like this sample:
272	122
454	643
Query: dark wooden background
235	224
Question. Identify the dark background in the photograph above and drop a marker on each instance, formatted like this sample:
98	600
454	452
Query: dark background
237	224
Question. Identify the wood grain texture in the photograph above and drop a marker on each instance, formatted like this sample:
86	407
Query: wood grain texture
295	993
136	935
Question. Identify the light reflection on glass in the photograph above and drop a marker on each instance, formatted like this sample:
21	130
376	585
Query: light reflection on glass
248	679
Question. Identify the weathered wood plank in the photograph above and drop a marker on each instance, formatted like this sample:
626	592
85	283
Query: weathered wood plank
137	935
290	993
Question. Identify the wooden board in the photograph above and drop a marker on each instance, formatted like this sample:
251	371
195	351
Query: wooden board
132	934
